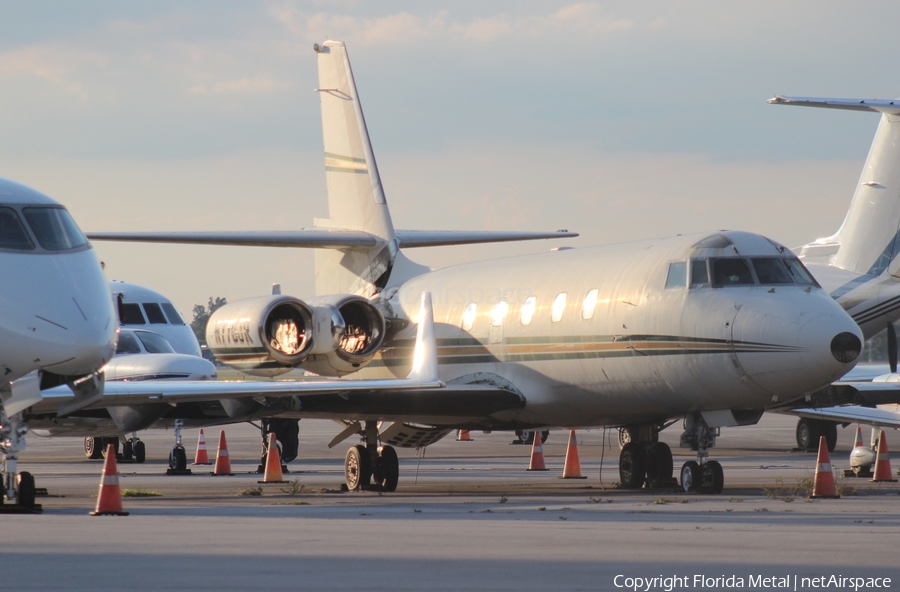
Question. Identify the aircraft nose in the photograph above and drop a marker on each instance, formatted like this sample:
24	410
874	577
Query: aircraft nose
790	349
845	347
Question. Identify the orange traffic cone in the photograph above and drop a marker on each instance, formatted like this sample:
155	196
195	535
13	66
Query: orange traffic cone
537	454
202	456
463	436
824	483
109	500
882	461
223	463
572	470
273	463
859	441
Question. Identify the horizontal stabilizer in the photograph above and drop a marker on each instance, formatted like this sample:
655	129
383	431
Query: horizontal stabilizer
878	105
327	238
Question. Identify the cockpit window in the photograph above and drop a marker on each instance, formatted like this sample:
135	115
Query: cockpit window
127	344
699	273
772	271
800	274
677	277
12	233
154	343
154	313
131	314
731	271
174	317
54	228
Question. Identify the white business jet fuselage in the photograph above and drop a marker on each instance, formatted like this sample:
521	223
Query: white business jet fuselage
57	324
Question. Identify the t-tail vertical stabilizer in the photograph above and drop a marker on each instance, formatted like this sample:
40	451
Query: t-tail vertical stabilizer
355	196
868	241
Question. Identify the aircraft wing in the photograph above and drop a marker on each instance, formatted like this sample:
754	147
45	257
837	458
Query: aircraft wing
327	238
851	414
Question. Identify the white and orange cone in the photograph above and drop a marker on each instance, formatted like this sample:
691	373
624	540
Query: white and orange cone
824	484
273	463
463	436
859	441
109	500
572	469
882	461
223	463
202	456
537	454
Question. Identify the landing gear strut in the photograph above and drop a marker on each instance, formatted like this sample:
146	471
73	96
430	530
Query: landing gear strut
701	475
16	487
287	437
365	463
644	459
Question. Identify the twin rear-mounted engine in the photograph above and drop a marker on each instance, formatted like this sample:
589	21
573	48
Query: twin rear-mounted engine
271	335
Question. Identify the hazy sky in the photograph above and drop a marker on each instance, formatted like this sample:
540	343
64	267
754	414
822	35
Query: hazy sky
620	120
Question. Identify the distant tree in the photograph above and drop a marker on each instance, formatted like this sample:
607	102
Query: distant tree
202	314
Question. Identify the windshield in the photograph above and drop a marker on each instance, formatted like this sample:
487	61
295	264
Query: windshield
54	228
12	233
154	343
725	272
127	344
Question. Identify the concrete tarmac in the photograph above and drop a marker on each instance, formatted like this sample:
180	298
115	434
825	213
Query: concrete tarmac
465	516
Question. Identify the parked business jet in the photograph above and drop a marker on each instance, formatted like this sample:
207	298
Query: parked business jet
714	328
57	326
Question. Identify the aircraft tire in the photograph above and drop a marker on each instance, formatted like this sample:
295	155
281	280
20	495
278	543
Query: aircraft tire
808	433
716	477
140	452
390	468
25	490
93	447
128	450
632	466
659	464
357	469
829	430
178	459
690	476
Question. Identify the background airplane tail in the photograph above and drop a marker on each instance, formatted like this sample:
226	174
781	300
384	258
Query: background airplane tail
868	241
355	196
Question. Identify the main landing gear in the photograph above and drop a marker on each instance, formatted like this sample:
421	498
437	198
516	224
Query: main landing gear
178	455
701	475
809	431
287	437
133	450
371	466
17	488
644	459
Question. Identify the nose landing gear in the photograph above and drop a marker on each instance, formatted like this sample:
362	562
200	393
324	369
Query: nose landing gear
701	475
16	487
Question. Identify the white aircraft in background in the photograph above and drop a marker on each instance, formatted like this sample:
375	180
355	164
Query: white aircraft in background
714	328
860	268
57	325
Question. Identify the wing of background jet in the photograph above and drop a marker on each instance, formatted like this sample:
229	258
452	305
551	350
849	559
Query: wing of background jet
327	238
852	414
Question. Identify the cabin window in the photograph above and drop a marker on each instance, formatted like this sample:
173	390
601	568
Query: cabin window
12	233
154	313
589	304
468	318
172	314
677	277
558	307
54	228
731	271
499	313
131	314
127	344
528	310
699	273
772	271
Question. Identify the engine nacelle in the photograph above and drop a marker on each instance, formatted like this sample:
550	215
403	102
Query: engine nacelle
268	336
355	330
264	336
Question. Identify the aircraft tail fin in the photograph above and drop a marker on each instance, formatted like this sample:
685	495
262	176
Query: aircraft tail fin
355	196
868	241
